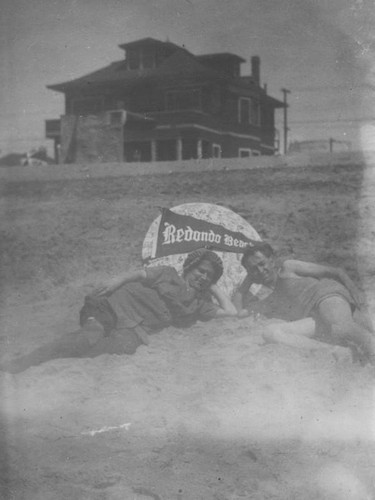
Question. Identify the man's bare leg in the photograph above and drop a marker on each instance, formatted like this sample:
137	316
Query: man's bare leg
335	312
298	334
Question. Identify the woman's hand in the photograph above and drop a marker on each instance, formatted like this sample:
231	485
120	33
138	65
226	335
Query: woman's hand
107	288
245	313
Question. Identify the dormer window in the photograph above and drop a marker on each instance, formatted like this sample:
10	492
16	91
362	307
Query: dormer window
140	58
133	58
148	58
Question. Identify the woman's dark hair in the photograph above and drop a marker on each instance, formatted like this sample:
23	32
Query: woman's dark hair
196	256
258	246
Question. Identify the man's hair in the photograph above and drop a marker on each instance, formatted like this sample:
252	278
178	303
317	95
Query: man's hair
196	256
259	246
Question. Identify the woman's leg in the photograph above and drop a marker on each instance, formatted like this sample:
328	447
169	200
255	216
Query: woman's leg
120	341
335	312
71	345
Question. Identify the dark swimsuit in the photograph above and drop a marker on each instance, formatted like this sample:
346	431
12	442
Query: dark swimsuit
294	298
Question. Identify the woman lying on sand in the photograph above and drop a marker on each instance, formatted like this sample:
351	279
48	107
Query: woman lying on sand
301	291
118	316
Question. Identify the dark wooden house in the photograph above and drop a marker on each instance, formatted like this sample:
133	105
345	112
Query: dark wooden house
163	103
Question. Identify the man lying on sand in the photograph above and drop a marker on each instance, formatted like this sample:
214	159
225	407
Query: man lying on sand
301	291
118	316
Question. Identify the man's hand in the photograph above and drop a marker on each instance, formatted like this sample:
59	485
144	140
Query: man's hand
245	313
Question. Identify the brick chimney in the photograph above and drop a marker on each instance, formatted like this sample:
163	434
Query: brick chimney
255	69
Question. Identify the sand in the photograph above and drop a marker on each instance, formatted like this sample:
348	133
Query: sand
206	413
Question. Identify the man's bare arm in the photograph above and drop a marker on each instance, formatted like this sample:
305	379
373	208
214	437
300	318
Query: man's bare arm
240	293
320	271
226	306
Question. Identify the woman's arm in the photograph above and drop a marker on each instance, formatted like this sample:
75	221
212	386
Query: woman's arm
226	306
117	282
321	271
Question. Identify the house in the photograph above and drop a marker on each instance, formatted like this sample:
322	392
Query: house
319	146
163	103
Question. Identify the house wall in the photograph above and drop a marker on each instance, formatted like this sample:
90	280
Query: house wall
216	101
267	124
90	139
144	98
230	144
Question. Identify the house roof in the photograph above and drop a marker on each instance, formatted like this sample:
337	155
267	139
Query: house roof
114	72
179	66
220	55
180	63
149	41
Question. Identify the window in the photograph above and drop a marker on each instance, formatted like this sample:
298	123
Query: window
183	99
244	110
244	153
133	59
247	152
248	111
255	112
139	58
216	151
148	58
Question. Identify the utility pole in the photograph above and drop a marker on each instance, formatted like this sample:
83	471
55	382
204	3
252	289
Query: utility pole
286	129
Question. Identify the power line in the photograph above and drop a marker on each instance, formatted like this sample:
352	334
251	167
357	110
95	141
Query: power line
337	120
350	88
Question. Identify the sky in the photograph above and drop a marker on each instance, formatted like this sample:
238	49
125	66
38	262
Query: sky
323	51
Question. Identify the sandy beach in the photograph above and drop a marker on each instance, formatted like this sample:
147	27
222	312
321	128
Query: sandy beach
209	413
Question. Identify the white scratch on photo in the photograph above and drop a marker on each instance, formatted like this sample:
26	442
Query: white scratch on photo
106	428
